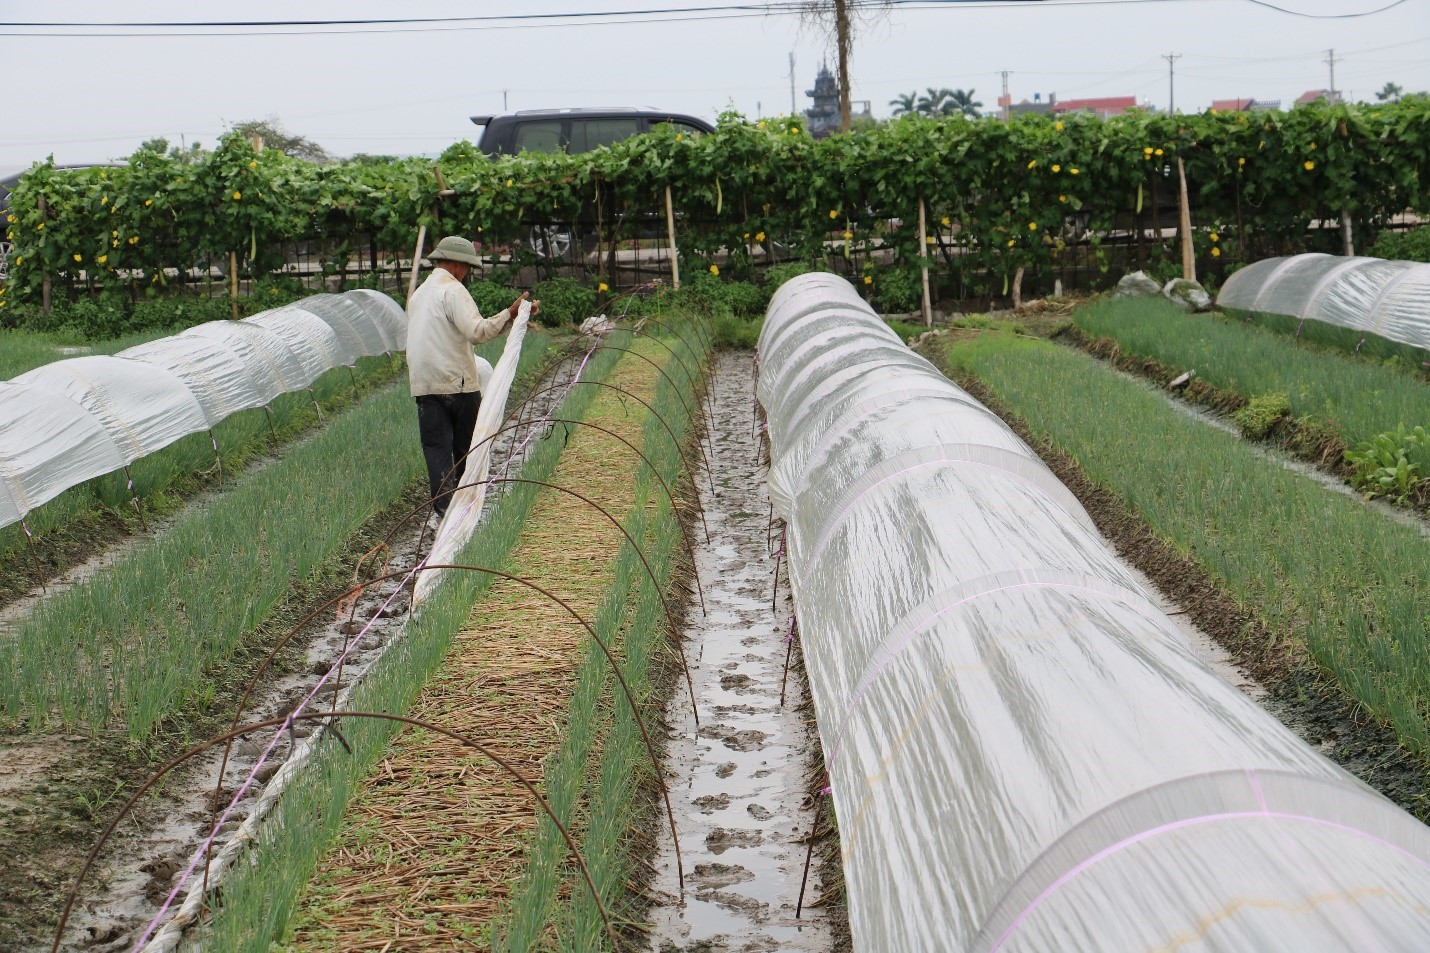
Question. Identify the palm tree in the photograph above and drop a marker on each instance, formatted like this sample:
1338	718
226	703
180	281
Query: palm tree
959	102
931	103
906	104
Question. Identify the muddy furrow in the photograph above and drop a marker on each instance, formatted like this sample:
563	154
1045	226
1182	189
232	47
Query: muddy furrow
740	784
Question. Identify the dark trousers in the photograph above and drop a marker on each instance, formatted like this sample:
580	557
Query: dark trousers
446	422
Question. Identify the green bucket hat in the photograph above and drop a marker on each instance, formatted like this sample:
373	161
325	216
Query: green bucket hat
455	248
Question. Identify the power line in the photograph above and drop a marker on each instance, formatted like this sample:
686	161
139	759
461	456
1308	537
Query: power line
734	11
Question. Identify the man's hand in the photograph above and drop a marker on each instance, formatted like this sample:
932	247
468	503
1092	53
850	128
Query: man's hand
516	306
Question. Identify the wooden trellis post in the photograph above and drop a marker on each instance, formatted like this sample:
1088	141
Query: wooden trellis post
233	284
45	278
1189	260
924	258
416	259
670	232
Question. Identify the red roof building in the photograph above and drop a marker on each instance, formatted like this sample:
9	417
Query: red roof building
1231	105
1311	95
1103	107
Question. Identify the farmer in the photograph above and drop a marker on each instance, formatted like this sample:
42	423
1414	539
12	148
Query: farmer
443	323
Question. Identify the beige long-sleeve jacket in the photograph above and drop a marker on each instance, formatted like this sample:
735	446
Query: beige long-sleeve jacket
443	323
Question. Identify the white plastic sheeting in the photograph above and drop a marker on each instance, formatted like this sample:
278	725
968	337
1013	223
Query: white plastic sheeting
1024	753
1371	295
79	418
464	511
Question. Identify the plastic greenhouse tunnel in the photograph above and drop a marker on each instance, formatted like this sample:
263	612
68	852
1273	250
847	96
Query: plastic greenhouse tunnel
79	418
1024	752
1390	299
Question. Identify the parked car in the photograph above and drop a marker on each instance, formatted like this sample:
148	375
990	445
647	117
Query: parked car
573	131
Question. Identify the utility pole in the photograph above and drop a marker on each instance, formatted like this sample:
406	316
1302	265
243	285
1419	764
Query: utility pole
1005	101
1171	59
503	99
792	110
1330	61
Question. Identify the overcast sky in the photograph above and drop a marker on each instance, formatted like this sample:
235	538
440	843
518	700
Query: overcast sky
410	88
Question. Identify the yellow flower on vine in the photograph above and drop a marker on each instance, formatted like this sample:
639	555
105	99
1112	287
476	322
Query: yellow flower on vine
1147	151
508	183
133	239
1215	237
848	234
1012	242
253	164
40	227
868	279
1057	168
1073	172
833	213
1058	125
79	257
1033	164
148	202
1062	198
928	239
237	196
104	200
715	270
1313	147
1308	165
1032	226
102	259
602	288
760	124
945	221
759	236
1216	252
1241	160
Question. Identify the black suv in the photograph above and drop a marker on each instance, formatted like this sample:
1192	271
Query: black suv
575	130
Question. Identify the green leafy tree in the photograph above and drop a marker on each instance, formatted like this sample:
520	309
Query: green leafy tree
1391	93
274	136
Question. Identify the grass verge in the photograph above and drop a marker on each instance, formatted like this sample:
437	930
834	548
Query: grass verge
1324	574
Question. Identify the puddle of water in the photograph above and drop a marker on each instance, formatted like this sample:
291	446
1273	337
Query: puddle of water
738	784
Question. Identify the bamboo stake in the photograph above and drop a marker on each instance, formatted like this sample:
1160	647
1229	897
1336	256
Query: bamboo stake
1347	238
670	231
233	284
924	257
416	259
1189	262
45	280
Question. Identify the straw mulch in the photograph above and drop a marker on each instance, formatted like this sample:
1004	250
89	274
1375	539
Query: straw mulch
431	847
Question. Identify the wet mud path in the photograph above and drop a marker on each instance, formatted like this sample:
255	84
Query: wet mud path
739	785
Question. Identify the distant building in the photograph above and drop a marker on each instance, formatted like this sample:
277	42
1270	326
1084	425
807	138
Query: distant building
1037	106
823	116
1311	95
1243	105
1102	107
